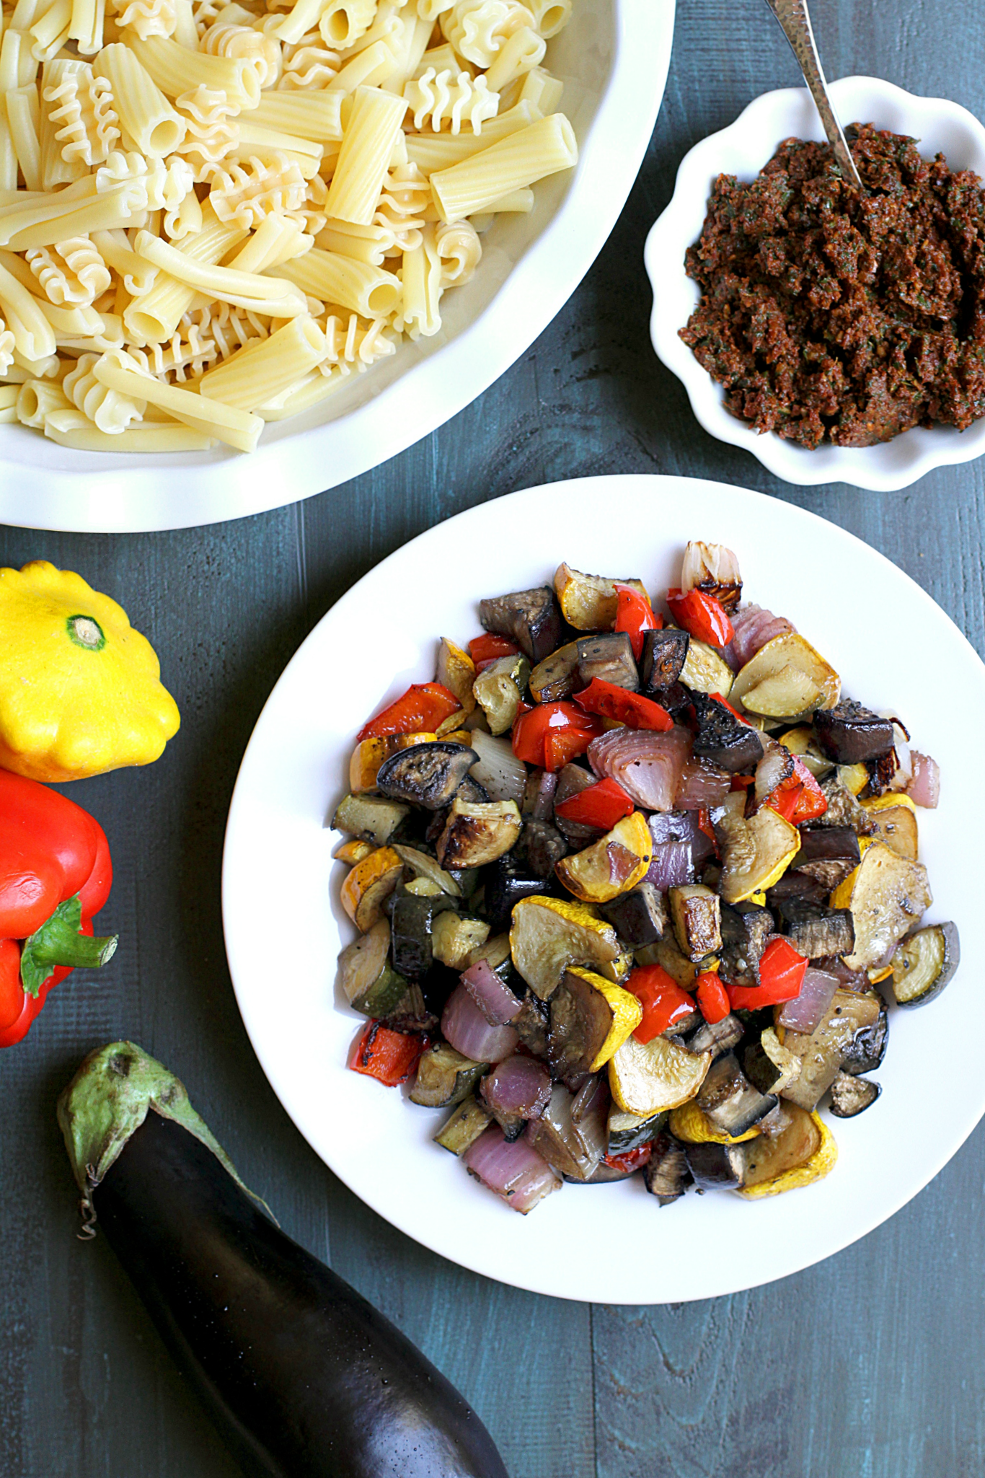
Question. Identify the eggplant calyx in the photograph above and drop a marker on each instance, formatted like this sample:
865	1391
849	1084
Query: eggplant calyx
59	942
106	1103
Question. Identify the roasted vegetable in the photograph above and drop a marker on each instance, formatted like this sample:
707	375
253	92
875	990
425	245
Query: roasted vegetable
769	1065
713	569
427	774
894	821
411	945
502	776
663	658
789	1160
850	734
532	1024
557	676
867	1048
498	690
373	818
456	671
573	1146
827	854
815	932
368	885
612	865
444	1077
626	1132
589	602
529	617
725	739
639	916
730	1101
822	1051
476	834
787	677
705	670
464	1127
423	866
589	1019
801	742
516	1091
539	848
547	935
666	1174
300	1374
755	852
454	937
369	754
660	1075
851	1095
886	895
924	963
745	929
716	1037
695	912
609	657
691	1125
351	851
370	983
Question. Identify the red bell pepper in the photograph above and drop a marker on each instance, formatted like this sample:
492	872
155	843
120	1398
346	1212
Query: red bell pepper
608	700
781	975
422	708
662	1000
598	805
635	616
702	616
713	1002
799	797
55	873
489	648
386	1055
631	1160
551	734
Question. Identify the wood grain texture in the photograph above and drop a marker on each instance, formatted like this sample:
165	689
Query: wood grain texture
870	1365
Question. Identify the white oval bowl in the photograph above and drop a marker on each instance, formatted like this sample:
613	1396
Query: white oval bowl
742	149
607	1244
613	59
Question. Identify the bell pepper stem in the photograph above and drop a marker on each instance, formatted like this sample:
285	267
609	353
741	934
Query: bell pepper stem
59	942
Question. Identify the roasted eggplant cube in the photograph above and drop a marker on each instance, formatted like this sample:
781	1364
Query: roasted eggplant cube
531	618
663	657
716	1037
695	912
849	733
711	1167
867	1048
730	1101
444	1077
746	929
851	1096
580	1018
827	855
666	1174
639	917
531	1026
410	942
724	739
506	884
428	775
538	848
557	676
815	932
608	656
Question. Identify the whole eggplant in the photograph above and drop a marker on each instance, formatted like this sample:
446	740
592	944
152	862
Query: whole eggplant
302	1376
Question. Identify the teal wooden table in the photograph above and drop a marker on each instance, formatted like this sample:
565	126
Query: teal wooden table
871	1365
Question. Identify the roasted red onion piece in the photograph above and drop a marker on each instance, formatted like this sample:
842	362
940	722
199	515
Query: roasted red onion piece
924	788
679	848
497	769
805	1011
647	765
467	1030
514	1171
493	997
517	1088
714	569
753	627
701	786
573	1149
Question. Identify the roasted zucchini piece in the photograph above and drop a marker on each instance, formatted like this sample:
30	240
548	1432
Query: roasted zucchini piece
498	690
590	602
666	1174
639	916
663	657
476	834
801	742
705	670
468	1121
529	617
787	1161
612	865
410	929
423	865
854	778
755	852
444	1077
786	678
822	1051
645	1079
894	821
725	740
429	775
851	1095
370	754
695	912
557	676
456	671
590	1018
609	657
454	937
867	1048
495	952
886	895
730	1101
547	935
370	982
924	963
666	952
372	818
368	885
627	1132
850	734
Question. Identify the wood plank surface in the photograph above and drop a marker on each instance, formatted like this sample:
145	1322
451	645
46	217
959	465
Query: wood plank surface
871	1365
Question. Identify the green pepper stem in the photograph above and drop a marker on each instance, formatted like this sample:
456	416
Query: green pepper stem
62	948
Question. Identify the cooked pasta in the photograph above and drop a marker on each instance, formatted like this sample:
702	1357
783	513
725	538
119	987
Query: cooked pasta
214	215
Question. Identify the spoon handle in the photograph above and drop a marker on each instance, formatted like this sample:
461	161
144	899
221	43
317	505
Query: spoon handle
795	22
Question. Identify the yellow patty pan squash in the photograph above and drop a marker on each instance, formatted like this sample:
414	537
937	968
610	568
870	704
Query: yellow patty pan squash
80	690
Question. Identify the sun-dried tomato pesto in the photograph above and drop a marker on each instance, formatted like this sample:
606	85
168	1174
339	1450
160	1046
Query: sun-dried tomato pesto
830	316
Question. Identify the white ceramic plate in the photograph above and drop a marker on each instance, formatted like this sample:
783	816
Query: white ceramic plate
613	59
883	634
742	149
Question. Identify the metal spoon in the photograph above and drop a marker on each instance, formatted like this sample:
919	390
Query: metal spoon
795	21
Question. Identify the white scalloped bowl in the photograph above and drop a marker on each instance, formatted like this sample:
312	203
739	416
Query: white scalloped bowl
742	149
613	59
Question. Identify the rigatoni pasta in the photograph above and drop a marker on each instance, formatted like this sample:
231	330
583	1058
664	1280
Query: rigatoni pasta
216	214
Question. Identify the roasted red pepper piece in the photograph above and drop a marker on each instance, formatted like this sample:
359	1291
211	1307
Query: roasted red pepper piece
631	1160
713	1002
55	873
551	734
798	798
388	1056
608	700
420	710
635	616
599	805
489	648
781	975
662	1000
702	616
